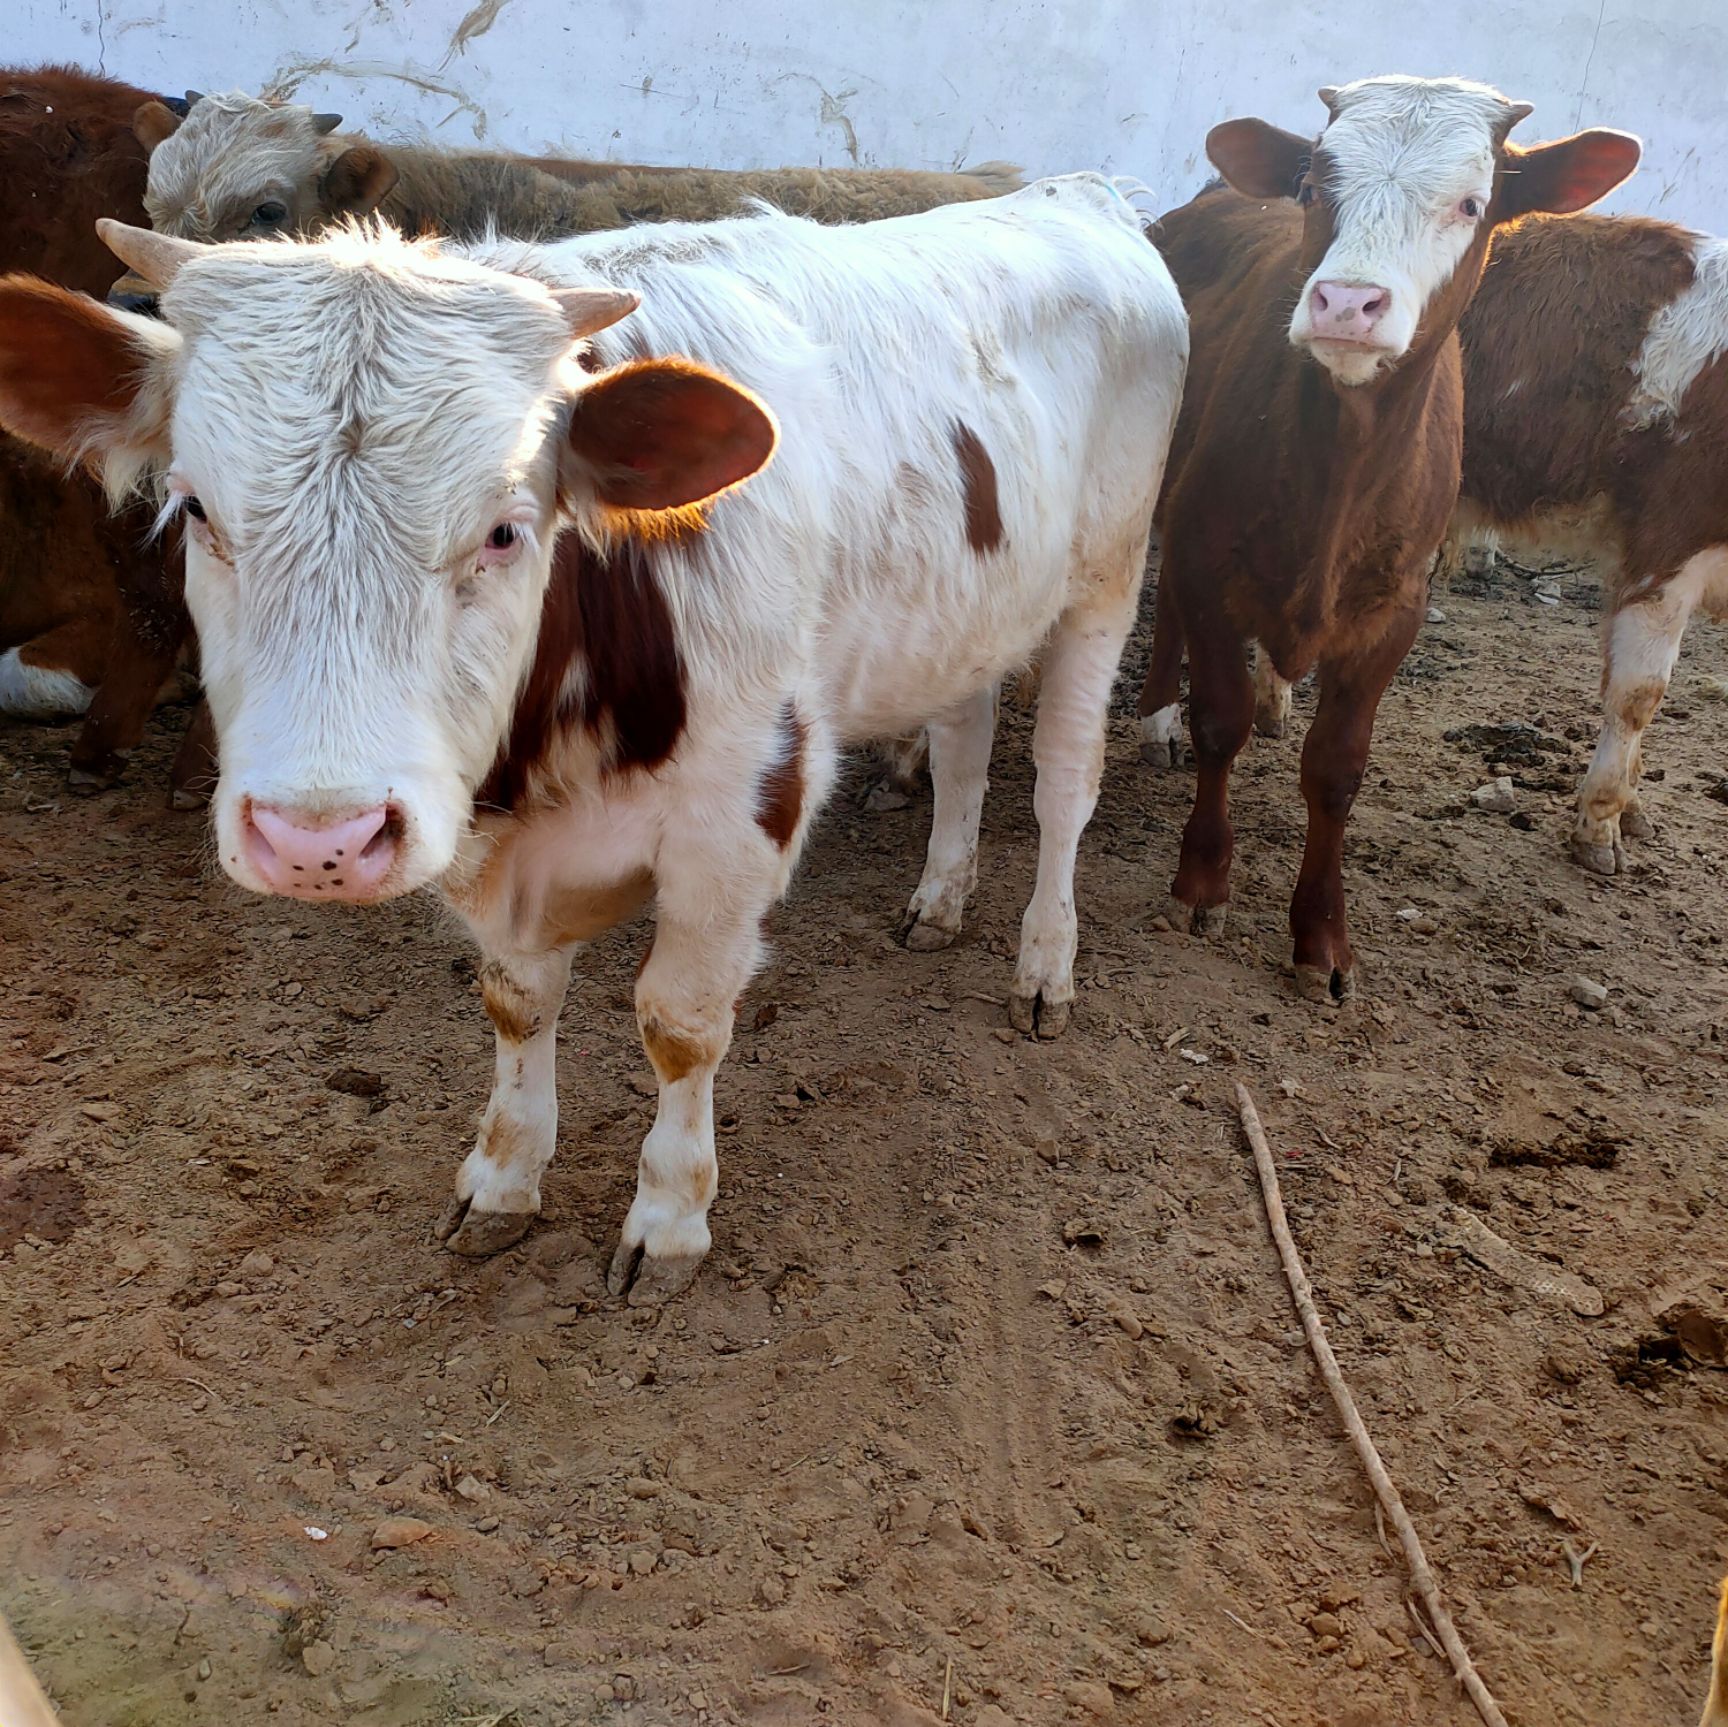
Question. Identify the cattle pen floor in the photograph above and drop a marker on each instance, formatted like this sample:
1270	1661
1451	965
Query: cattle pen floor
991	1399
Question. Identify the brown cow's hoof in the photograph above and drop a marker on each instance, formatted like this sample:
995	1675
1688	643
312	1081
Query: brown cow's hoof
480	1234
1206	921
646	1282
1037	1016
87	782
1326	985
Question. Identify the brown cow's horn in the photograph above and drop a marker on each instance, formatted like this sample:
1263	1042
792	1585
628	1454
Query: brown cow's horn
589	309
155	257
1328	94
326	122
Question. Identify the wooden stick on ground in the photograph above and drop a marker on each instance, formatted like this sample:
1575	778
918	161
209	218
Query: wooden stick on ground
21	1701
1420	1576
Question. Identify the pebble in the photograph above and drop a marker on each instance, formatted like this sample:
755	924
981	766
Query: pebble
204	1668
1092	1697
399	1532
486	1525
1435	615
1497	797
1129	1323
257	1264
318	1658
1326	1625
1590	994
472	1489
227	1288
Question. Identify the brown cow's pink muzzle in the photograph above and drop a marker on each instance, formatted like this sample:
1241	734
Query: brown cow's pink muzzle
1345	311
296	855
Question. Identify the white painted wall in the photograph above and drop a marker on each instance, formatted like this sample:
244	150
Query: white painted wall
1128	85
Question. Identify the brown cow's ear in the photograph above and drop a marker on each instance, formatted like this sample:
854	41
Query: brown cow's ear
1259	160
153	122
1569	174
85	382
659	434
358	181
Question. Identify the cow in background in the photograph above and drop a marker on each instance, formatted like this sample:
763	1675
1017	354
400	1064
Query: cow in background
74	578
1316	461
1596	392
418	679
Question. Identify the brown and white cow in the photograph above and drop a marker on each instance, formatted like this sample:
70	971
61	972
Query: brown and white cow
75	579
1316	460
1596	392
419	679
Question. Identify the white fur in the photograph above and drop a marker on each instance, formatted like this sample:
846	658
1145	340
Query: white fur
39	692
355	414
1684	337
1397	160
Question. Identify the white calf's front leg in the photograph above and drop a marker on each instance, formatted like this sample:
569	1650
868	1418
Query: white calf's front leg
1271	696
1068	749
960	743
498	1186
1640	646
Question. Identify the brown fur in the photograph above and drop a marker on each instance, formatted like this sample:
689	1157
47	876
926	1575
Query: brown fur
1716	1704
978	482
1563	310
81	586
674	1053
581	914
508	1005
630	697
780	799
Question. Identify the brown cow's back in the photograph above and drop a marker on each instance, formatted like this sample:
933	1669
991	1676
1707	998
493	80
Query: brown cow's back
1549	344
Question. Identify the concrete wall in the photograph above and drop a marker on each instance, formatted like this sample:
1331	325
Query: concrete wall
1128	85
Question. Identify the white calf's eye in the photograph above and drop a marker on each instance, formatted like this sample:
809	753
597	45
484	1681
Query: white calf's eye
1470	209
195	510
502	537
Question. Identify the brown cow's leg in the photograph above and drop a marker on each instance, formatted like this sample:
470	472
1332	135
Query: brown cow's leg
1334	758
1160	695
192	780
1220	715
52	675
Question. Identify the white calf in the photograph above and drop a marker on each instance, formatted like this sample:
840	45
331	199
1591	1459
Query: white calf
417	680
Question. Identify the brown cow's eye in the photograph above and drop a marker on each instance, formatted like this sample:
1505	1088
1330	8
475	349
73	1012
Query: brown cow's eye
196	510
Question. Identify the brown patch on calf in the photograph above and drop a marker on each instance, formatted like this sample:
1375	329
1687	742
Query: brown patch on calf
1637	706
978	486
606	659
674	1053
509	1006
780	797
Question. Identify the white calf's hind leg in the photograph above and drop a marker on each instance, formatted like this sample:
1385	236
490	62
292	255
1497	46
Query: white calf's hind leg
498	1186
1080	665
960	743
1640	646
1271	696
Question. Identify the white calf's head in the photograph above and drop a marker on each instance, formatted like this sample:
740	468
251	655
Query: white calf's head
1401	192
371	446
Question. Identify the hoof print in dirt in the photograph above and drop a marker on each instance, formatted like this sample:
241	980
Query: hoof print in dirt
480	1234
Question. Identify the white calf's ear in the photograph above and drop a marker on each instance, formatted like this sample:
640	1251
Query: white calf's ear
659	434
84	381
158	258
587	310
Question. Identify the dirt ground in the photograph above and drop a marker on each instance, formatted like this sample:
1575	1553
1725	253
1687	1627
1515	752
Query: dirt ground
991	1405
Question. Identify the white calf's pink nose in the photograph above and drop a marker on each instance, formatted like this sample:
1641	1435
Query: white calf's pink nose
298	855
1346	311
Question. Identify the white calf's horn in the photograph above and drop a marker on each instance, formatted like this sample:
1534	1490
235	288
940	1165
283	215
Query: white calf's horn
155	257
589	309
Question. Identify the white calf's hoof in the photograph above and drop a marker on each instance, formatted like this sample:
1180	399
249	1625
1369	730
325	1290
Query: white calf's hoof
1161	737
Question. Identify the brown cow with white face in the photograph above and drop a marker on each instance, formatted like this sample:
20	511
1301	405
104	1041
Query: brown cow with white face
1316	461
